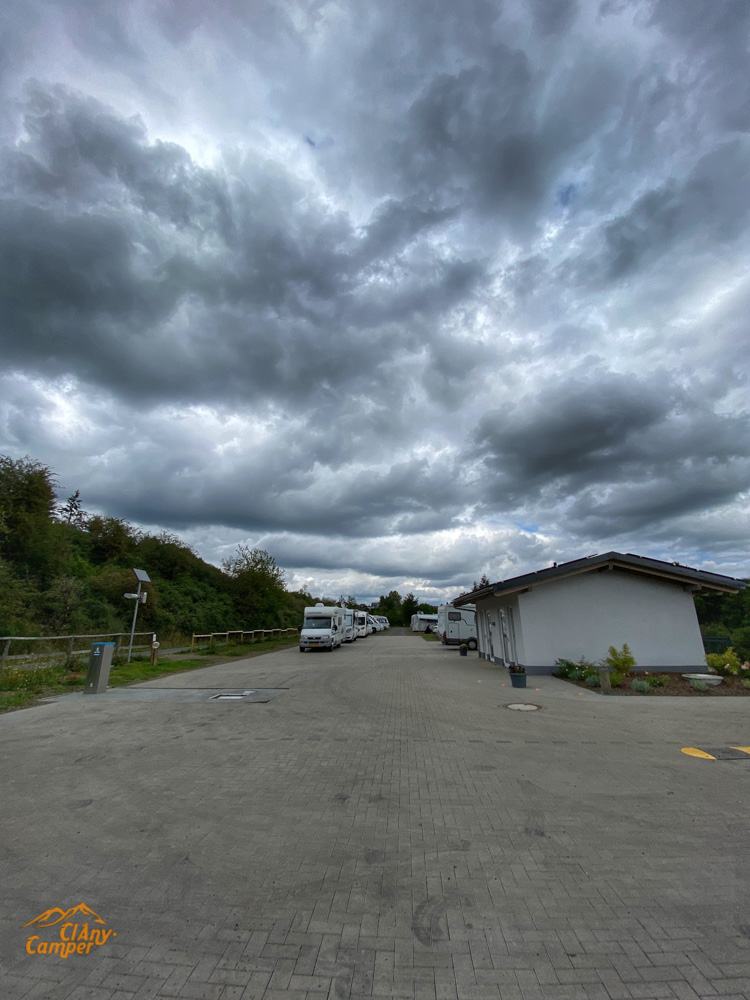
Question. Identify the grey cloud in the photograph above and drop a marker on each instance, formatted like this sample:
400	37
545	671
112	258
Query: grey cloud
581	437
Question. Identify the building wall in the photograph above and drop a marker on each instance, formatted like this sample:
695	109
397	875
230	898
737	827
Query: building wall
585	614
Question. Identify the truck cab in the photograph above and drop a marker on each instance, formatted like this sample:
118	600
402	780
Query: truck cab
323	628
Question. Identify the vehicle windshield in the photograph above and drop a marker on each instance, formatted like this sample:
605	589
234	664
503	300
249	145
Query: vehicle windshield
317	622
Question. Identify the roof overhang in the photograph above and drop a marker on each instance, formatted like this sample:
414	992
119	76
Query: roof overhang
694	580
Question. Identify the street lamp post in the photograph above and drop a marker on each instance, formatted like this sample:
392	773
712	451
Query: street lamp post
140	598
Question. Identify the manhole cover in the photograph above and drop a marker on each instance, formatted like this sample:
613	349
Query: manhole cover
520	706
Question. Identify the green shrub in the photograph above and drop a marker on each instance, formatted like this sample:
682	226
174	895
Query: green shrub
620	659
592	680
563	668
616	678
655	680
745	682
643	687
698	685
724	663
576	674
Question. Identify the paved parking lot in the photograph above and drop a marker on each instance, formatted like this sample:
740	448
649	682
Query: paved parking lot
384	827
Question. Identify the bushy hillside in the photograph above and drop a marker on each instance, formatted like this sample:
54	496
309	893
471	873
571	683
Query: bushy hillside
64	572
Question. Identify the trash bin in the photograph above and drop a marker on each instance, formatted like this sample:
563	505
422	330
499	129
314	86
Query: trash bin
99	663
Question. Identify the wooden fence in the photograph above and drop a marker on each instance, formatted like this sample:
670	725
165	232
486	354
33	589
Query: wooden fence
68	651
238	636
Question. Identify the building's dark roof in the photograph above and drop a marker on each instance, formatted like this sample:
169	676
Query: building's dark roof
626	561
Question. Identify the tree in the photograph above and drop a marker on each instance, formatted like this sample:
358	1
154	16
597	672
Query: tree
27	503
112	539
257	587
409	608
72	512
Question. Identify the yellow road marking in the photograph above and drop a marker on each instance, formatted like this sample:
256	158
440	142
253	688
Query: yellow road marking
743	749
693	752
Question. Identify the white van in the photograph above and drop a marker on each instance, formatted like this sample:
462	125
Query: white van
424	623
383	621
457	625
361	621
350	625
374	624
323	628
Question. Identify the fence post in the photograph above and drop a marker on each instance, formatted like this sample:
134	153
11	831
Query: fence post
192	643
118	643
6	650
69	654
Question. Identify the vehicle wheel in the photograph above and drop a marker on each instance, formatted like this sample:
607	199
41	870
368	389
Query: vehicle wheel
301	649
471	643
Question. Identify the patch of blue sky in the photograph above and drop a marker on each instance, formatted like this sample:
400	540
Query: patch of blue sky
566	193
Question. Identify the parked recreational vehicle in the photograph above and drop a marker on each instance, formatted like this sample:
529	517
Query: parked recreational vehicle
350	625
323	628
361	621
424	623
457	625
383	620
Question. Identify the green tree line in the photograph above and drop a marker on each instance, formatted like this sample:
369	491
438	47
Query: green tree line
65	572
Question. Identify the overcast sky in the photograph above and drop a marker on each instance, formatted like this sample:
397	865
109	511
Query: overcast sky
402	292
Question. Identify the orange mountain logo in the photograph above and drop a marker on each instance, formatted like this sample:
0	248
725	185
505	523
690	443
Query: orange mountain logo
77	936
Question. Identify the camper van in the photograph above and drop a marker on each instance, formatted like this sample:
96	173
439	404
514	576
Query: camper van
350	625
457	625
424	623
361	622
323	628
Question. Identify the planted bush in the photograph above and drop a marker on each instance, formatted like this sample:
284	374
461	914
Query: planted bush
642	687
621	660
564	667
698	685
727	663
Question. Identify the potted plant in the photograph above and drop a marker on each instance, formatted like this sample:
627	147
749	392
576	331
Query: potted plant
517	675
463	649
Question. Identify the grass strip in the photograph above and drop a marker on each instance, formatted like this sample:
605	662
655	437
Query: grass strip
21	688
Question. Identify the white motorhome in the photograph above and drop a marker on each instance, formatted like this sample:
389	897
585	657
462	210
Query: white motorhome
350	625
424	623
383	621
374	624
457	625
361	622
323	628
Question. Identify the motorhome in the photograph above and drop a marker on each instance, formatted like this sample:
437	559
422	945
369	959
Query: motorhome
457	625
323	628
383	621
424	623
361	622
350	625
374	623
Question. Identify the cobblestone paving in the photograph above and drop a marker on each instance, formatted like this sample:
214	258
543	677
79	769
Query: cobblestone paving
383	828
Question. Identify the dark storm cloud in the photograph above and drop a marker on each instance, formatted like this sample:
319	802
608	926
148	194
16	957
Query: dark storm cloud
335	275
587	434
266	304
283	490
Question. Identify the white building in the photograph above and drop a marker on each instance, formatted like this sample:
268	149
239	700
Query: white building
581	608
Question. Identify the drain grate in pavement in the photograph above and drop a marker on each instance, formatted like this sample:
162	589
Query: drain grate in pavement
258	696
522	706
